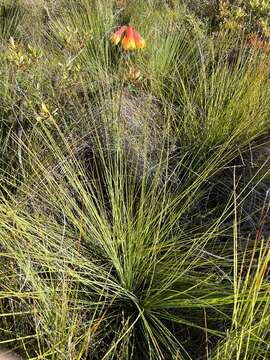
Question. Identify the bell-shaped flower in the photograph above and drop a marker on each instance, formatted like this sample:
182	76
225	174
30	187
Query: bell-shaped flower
116	37
128	42
139	41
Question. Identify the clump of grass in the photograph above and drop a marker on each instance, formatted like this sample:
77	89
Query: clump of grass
125	231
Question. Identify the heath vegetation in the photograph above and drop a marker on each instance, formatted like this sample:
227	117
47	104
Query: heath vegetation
134	179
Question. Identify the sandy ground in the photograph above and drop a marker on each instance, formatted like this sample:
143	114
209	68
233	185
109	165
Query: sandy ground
5	356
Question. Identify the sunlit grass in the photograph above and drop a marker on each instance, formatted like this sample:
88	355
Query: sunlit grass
128	229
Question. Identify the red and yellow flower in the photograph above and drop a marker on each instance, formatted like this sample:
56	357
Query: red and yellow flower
128	42
116	37
139	41
132	39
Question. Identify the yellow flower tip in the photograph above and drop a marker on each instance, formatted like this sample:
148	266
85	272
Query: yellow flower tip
143	44
128	43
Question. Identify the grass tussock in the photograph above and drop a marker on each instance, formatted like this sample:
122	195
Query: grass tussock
134	200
